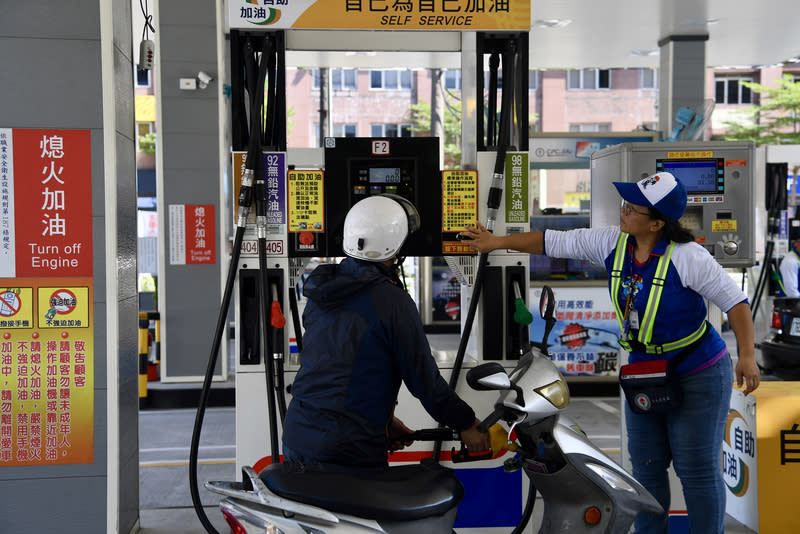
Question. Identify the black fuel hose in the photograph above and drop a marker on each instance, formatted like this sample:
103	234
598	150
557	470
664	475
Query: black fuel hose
267	66
493	203
244	202
222	319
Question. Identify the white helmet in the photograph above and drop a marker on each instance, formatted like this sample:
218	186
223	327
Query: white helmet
376	227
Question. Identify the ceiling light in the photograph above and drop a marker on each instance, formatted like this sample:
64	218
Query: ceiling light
552	23
699	22
653	52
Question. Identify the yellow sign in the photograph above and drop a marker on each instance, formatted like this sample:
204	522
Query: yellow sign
464	15
690	154
16	307
145	108
724	225
459	199
306	211
47	378
778	445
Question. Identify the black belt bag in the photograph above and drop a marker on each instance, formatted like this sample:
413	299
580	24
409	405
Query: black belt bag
652	387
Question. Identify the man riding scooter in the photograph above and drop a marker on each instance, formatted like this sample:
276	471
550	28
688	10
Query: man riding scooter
363	337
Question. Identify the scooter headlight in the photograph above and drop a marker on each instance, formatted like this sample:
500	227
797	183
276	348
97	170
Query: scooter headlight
611	478
556	392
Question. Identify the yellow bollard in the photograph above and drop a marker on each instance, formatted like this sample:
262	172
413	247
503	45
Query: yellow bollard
144	327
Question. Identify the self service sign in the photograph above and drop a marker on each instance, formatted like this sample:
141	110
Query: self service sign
46	298
464	15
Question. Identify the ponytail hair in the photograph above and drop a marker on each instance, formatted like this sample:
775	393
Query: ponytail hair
673	230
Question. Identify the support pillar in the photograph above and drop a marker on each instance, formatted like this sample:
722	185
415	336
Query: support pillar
681	77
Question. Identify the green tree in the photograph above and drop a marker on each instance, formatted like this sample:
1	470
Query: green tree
147	143
775	121
420	116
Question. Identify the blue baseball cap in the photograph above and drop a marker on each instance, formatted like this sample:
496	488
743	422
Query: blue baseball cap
661	191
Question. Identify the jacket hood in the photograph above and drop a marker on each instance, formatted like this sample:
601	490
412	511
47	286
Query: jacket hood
330	285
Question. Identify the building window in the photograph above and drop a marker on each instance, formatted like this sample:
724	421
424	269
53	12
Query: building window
533	80
390	79
339	130
341	79
390	130
590	127
729	90
452	80
142	129
589	79
344	130
142	77
649	79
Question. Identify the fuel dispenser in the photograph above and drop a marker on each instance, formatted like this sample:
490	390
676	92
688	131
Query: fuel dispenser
309	207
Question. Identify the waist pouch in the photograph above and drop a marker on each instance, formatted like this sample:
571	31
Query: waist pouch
650	387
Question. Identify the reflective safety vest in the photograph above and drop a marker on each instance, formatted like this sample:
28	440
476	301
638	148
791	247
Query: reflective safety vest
643	340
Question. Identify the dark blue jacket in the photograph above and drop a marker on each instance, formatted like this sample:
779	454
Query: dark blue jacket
363	336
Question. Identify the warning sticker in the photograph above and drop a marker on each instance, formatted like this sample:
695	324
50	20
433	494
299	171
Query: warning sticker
61	307
16	307
724	225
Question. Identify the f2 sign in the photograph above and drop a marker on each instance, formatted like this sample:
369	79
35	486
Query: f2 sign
380	147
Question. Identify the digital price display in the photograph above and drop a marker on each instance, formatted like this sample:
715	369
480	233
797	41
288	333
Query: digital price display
384	175
698	176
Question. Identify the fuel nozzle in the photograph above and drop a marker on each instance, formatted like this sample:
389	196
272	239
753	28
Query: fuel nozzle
276	318
521	313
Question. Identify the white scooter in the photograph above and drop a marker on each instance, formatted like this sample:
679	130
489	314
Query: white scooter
583	490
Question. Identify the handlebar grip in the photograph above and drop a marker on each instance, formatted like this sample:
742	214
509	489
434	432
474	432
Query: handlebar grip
493	417
465	456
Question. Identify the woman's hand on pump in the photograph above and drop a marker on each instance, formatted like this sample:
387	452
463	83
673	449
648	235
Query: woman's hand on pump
478	238
474	439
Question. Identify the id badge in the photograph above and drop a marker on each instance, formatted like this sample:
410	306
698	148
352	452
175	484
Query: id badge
633	316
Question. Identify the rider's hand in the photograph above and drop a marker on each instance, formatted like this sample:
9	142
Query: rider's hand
474	439
396	430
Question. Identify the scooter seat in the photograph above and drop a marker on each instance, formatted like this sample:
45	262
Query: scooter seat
402	493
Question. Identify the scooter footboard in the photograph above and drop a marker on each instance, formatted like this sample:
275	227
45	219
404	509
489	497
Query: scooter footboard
441	523
567	495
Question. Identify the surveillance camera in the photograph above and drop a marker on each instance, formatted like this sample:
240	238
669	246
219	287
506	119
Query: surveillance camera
204	79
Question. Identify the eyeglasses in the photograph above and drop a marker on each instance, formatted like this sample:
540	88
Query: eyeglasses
627	209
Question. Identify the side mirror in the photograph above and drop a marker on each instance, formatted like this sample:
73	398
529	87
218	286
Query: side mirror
547	309
487	377
547	303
